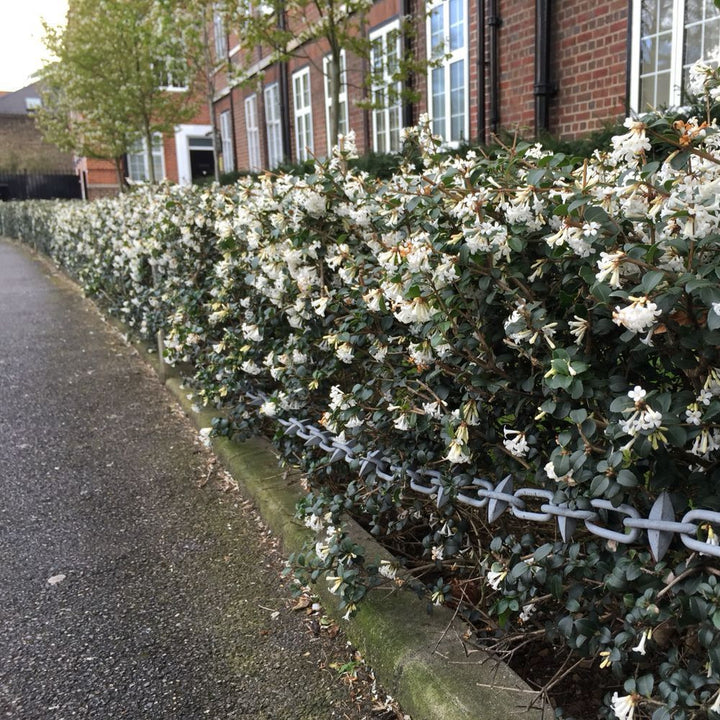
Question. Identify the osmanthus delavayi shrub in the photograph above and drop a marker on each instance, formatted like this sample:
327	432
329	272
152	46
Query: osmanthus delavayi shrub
522	313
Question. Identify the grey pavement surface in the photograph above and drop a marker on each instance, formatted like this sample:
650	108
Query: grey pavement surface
172	603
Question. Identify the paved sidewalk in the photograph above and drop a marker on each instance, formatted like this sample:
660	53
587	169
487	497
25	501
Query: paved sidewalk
131	585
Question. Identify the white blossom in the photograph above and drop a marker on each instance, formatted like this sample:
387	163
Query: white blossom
637	317
345	353
268	408
515	442
495	578
644	637
457	452
387	569
623	706
609	267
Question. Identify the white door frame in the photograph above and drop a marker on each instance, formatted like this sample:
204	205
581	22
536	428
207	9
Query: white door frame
183	133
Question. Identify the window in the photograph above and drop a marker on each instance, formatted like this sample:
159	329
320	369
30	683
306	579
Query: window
220	35
137	160
253	132
343	124
386	88
303	114
172	73
668	37
273	125
448	77
226	142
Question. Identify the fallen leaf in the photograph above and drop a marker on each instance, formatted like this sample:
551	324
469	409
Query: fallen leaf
302	603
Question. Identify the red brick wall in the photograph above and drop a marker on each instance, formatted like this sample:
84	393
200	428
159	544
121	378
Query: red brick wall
516	59
588	66
588	59
589	63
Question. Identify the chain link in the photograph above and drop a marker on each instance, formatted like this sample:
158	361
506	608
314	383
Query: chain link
660	526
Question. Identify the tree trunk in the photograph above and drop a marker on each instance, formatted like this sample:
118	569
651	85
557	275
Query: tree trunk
120	173
210	87
149	155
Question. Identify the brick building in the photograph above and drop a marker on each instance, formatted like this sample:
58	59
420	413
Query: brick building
181	157
566	67
22	148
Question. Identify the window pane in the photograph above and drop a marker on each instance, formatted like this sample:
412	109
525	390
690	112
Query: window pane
665	15
648	18
693	44
711	41
662	93
647	93
457	100
438	101
437	31
342	129
693	11
664	51
457	24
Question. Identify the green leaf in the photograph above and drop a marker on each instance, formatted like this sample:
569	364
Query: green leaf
645	685
680	160
516	243
651	280
627	479
543	551
536	176
518	570
597	214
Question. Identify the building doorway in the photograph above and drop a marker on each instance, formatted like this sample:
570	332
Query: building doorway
202	161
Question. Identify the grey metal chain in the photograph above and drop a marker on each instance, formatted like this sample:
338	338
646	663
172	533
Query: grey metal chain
660	526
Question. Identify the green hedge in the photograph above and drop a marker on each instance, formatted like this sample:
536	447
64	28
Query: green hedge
525	313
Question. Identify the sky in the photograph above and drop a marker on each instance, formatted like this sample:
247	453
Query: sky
21	50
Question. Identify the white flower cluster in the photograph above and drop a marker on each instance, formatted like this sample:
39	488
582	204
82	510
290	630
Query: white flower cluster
637	317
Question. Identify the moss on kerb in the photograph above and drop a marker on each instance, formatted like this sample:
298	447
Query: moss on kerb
418	657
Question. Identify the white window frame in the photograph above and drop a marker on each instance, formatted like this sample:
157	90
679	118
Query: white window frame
387	120
344	124
448	57
220	35
226	141
676	56
273	125
252	129
302	105
137	160
170	70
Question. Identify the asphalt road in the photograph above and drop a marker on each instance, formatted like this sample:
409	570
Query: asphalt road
131	584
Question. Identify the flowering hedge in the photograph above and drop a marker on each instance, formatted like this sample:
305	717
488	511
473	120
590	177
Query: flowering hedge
521	313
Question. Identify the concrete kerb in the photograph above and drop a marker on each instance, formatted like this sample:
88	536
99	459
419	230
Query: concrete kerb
420	658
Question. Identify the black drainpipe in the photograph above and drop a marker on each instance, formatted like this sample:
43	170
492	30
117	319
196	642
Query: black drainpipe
628	59
284	95
407	111
543	88
493	22
481	134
